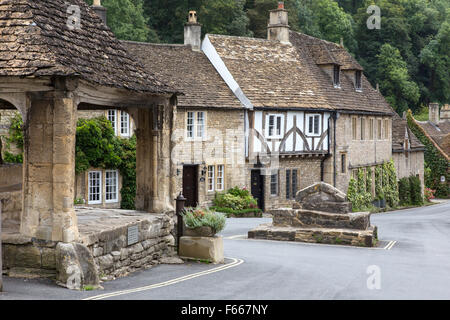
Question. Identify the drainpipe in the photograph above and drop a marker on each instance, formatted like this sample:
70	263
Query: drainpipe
335	116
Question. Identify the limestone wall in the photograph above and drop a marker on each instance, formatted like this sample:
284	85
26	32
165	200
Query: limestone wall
413	164
223	145
360	153
10	175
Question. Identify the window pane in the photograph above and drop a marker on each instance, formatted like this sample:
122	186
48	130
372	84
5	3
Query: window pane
288	184
190	125
94	187
111	186
124	123
316	124
278	126
112	117
274	184
210	178
271	125
310	128
220	170
363	129
200	124
294	183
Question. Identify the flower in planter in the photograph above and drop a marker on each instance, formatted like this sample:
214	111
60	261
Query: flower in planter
198	218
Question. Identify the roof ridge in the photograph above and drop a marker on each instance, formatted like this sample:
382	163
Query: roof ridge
176	45
240	37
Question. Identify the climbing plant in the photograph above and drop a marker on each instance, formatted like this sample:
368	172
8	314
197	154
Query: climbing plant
15	137
357	192
390	184
98	147
436	165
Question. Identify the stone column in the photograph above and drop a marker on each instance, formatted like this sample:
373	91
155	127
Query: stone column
49	169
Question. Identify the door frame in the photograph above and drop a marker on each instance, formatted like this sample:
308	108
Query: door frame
262	182
195	180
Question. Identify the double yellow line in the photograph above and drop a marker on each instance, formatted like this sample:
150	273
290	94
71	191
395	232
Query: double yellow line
235	262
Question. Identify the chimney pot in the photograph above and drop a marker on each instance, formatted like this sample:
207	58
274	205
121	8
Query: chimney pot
193	32
280	4
97	3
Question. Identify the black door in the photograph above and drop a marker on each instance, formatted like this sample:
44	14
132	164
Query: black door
190	185
258	187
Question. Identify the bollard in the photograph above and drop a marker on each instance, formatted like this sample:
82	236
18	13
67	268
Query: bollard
180	200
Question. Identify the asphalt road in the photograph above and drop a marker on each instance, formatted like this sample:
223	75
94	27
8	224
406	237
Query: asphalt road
416	267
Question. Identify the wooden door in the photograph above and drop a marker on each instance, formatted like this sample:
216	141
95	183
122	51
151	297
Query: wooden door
257	181
190	185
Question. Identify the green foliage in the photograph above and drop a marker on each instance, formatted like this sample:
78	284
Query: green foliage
357	195
404	192
390	184
415	191
15	137
236	199
98	147
379	193
395	81
436	165
13	158
202	217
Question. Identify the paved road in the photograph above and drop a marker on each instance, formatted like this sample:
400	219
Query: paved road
416	267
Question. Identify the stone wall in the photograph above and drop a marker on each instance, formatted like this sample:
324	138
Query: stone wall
411	165
115	258
359	153
224	145
11	175
309	173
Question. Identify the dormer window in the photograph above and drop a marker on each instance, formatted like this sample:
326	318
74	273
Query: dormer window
336	77
358	83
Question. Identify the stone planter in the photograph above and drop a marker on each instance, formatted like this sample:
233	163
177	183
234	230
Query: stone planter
199	232
202	248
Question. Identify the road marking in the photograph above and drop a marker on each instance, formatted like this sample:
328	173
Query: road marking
233	264
390	245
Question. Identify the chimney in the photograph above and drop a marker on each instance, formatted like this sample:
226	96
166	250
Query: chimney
193	32
278	28
434	113
99	10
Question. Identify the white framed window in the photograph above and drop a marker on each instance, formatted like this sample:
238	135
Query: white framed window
111	186
94	187
112	117
124	124
220	176
211	178
274	126
313	124
358	80
195	125
274	183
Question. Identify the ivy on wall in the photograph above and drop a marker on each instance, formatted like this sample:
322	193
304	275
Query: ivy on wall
15	137
360	190
98	147
436	165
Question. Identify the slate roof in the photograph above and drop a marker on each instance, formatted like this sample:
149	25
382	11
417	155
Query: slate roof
272	74
186	70
35	41
399	126
440	133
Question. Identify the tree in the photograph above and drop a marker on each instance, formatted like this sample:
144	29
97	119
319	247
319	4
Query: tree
395	82
127	20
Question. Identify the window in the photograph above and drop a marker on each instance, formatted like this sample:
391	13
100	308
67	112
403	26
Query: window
336	77
379	129
195	125
386	129
354	128
220	174
190	125
314	124
363	129
112	116
274	126
358	83
274	183
371	128
124	124
211	178
95	187
200	124
111	186
291	183
343	163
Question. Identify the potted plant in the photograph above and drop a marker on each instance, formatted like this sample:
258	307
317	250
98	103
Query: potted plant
382	200
202	222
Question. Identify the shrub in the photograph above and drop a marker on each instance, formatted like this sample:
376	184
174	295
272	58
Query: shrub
429	194
415	190
360	200
235	199
202	217
404	191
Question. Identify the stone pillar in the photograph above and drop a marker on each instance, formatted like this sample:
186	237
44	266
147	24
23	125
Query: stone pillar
49	170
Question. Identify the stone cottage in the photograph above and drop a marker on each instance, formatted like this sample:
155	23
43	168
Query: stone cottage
208	121
312	115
